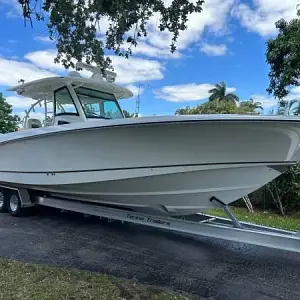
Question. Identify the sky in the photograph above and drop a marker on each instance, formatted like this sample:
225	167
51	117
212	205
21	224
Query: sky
225	42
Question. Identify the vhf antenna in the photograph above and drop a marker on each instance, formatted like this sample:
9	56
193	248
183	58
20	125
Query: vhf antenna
138	100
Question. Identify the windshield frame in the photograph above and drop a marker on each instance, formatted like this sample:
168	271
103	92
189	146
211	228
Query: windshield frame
55	114
76	89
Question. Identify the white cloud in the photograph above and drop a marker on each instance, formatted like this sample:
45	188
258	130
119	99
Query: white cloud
128	70
269	102
16	9
43	38
45	60
19	102
266	102
262	17
214	50
296	91
12	71
294	94
136	69
144	48
135	89
186	92
12	14
213	18
103	25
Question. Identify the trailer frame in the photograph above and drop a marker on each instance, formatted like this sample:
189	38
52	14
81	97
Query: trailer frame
200	224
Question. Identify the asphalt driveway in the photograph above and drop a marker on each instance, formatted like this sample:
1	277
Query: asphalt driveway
202	267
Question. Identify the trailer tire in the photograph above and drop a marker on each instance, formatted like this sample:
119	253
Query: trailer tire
14	204
3	200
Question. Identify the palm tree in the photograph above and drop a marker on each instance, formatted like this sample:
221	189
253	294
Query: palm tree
296	110
183	111
255	104
127	114
287	107
218	93
251	105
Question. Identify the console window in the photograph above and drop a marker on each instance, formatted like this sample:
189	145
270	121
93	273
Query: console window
64	104
97	104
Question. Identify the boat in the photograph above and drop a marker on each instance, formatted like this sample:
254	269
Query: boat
165	165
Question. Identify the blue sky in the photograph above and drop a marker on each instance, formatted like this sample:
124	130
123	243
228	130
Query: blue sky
226	42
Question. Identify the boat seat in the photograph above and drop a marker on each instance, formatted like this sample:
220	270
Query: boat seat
34	123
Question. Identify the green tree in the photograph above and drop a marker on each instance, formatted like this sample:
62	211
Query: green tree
218	93
74	24
251	105
127	114
283	56
287	107
296	109
285	190
8	122
283	193
216	107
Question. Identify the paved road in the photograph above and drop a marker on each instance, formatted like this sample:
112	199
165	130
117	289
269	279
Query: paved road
202	267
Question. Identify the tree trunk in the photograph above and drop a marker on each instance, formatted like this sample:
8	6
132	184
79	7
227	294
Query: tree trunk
281	207
280	202
277	200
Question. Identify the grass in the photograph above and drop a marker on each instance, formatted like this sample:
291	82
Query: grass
289	222
39	282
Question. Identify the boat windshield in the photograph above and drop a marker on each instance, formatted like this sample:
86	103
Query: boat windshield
97	104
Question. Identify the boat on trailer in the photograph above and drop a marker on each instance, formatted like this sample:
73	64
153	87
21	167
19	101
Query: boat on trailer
88	157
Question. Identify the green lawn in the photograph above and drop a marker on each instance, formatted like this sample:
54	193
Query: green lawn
39	282
290	222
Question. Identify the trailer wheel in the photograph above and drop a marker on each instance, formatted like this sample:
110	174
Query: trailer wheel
3	201
14	204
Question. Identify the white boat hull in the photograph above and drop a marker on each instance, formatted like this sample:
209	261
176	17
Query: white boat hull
173	166
184	192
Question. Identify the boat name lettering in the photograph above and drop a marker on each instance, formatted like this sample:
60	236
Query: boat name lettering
158	221
148	220
138	218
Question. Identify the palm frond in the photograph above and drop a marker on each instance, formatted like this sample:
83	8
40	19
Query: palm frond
232	96
214	90
213	97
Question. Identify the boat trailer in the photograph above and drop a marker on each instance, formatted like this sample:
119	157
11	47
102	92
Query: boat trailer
17	200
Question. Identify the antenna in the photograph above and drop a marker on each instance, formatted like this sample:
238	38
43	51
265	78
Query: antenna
138	100
137	104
